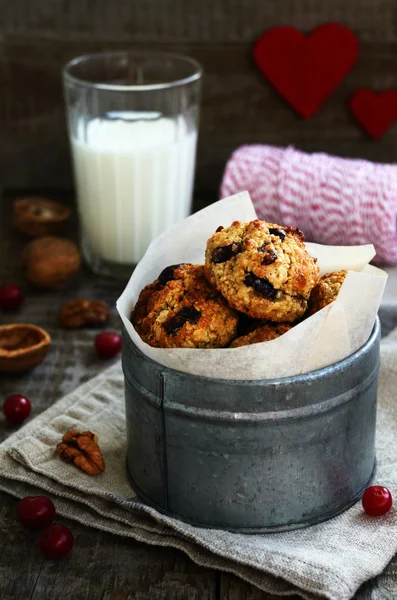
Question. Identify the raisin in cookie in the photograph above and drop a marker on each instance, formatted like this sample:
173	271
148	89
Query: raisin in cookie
181	310
262	269
325	291
262	333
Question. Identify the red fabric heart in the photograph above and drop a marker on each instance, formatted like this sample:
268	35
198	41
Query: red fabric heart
306	70
376	112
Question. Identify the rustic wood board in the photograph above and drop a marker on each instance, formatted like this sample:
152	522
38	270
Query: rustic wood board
238	106
101	566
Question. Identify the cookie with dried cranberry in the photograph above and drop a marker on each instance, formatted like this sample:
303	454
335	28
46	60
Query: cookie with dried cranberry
262	269
182	310
326	291
262	333
141	307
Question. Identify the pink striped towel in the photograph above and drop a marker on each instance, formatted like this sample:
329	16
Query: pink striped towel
333	200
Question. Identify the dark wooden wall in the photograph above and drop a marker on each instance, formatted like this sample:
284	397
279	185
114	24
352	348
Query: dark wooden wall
38	36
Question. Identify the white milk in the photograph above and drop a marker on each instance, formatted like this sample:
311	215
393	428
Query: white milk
134	179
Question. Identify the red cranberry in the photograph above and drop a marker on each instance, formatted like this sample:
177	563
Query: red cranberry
377	500
17	408
56	541
36	511
108	344
11	297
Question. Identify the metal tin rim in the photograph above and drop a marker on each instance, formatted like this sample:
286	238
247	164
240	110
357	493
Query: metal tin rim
307	411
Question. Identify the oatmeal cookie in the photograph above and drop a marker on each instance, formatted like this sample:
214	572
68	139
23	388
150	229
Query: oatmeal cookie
139	314
181	310
262	269
325	291
263	333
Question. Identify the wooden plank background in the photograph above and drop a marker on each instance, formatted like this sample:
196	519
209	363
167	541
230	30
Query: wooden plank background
38	36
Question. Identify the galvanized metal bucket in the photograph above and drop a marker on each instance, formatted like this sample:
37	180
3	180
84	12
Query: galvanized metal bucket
252	456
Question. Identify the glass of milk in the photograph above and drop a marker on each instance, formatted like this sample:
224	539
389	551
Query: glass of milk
133	120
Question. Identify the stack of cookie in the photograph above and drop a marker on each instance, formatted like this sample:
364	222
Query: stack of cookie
257	282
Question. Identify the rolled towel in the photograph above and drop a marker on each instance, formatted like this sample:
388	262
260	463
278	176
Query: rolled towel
335	201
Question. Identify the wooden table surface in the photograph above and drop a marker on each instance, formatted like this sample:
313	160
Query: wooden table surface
101	566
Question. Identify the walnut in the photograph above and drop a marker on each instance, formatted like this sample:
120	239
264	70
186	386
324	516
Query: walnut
22	347
37	216
80	312
82	449
50	262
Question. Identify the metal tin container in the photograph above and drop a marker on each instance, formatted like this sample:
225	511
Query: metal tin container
252	456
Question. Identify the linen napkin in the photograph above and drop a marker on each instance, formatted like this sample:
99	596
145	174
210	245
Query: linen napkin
330	560
335	201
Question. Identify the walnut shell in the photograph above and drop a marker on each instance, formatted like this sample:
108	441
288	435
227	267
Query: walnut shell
22	347
38	216
50	262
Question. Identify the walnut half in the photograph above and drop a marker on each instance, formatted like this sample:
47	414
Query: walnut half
81	312
22	347
82	449
38	216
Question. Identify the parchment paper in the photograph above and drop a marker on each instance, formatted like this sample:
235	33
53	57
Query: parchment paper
328	336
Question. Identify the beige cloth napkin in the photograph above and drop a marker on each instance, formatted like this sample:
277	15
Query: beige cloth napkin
329	560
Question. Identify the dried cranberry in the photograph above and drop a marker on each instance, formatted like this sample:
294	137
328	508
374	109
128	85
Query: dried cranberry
188	314
224	253
279	232
269	258
167	274
246	324
218	229
270	255
260	285
191	314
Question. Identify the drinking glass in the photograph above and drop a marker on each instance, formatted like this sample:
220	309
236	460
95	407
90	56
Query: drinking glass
133	124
